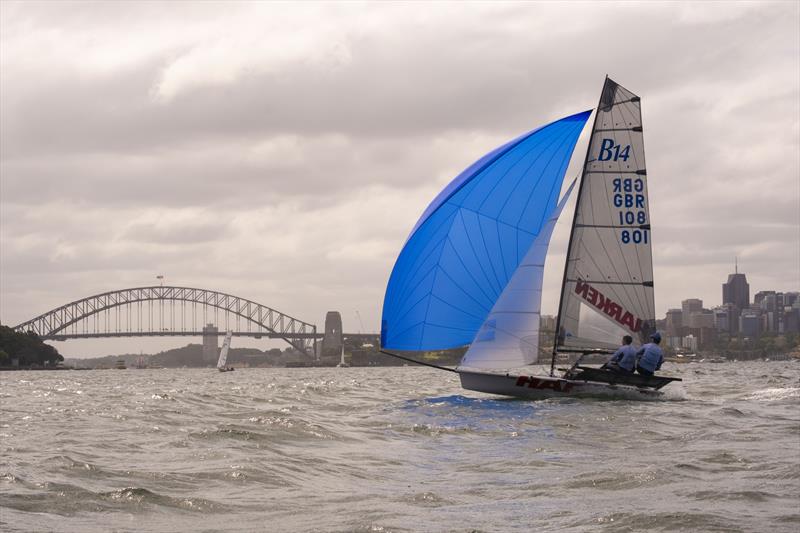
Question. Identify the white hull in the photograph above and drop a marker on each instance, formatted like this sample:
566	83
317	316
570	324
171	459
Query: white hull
542	387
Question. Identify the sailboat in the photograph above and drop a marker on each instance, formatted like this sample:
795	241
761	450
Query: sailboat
471	271
223	354
342	363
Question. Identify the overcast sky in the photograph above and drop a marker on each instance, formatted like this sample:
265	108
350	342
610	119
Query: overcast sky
282	152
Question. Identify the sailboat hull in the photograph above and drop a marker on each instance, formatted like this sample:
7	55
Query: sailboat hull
542	387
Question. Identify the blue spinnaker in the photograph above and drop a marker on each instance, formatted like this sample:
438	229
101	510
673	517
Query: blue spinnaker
470	240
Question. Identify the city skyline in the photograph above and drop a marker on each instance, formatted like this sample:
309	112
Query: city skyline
283	153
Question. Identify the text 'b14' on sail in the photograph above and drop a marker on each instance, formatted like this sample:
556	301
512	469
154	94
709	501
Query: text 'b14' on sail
607	290
471	271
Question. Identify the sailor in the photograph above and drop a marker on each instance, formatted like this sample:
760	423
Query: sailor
649	357
624	359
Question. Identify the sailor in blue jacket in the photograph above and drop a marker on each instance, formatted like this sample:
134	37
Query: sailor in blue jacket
649	357
624	359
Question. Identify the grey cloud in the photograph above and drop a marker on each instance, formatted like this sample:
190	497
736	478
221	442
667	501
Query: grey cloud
172	233
296	185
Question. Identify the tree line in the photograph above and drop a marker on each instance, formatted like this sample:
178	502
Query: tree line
27	348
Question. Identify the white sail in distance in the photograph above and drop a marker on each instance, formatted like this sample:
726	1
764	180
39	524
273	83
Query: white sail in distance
223	353
608	279
509	337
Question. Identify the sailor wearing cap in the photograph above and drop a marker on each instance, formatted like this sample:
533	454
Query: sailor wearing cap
650	357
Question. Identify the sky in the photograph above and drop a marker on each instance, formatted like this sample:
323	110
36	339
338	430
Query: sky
282	152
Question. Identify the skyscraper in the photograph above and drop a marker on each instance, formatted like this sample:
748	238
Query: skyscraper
736	291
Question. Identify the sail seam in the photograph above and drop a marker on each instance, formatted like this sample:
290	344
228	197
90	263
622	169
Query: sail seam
552	142
634	117
463	290
621	254
472	246
488	255
619	246
592	248
456	308
423	257
487	164
598	282
568	134
616	172
556	142
466	269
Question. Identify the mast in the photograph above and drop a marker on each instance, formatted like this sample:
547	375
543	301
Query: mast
557	335
607	290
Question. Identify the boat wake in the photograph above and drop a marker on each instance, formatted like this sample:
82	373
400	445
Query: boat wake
774	394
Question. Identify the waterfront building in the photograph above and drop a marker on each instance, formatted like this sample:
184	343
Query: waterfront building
774	306
723	317
789	298
674	322
689	306
675	341
701	319
750	322
690	343
761	296
791	319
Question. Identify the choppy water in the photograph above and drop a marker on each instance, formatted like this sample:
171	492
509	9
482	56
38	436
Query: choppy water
394	449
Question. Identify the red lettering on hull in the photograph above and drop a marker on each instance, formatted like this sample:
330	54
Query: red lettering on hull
608	306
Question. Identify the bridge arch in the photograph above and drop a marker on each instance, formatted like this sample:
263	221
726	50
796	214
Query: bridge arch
55	324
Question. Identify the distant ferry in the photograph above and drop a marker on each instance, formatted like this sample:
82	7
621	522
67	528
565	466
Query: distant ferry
120	365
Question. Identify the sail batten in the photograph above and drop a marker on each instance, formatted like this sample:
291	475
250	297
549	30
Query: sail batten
608	280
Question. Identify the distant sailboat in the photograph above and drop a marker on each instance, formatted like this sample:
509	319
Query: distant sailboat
223	354
342	363
471	271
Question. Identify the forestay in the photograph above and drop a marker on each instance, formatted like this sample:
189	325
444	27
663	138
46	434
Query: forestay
469	242
608	279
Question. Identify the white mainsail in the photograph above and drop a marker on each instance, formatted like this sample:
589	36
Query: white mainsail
223	353
608	279
509	337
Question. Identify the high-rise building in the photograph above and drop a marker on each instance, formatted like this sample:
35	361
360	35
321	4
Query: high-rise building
791	320
789	298
760	296
750	322
773	306
701	319
689	306
736	291
724	316
674	322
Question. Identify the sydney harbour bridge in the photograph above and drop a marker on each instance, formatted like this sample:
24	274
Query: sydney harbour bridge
182	311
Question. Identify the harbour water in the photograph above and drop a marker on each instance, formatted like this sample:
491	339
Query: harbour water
394	449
